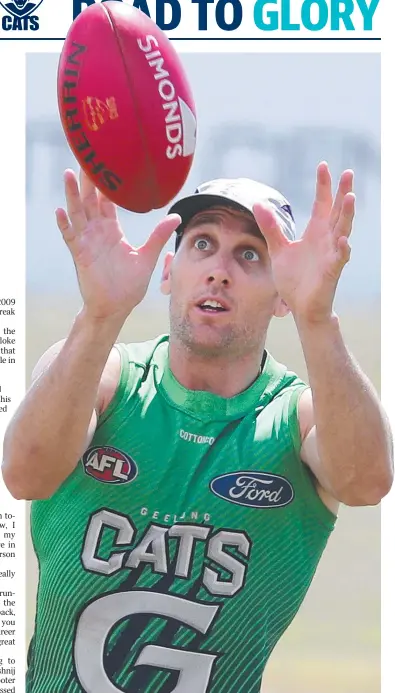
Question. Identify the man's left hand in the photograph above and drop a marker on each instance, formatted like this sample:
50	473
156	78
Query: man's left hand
306	271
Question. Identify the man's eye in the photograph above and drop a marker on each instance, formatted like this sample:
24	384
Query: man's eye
202	244
250	255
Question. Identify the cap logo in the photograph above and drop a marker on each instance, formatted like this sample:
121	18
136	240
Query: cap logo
285	214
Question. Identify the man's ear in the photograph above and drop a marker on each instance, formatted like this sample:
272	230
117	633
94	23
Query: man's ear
280	308
165	285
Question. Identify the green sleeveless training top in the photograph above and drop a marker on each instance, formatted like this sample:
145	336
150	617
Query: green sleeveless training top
179	550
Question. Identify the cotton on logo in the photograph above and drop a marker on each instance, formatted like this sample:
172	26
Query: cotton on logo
109	465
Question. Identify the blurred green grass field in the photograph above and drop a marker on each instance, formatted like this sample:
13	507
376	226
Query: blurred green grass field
333	645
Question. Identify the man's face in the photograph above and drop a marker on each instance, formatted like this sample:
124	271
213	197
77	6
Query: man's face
222	258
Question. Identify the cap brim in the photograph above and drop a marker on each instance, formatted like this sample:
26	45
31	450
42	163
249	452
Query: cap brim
193	204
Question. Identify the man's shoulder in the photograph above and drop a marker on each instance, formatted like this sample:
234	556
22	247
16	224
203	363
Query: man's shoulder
145	352
126	369
282	378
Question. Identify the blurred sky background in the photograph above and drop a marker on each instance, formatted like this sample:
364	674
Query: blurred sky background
272	117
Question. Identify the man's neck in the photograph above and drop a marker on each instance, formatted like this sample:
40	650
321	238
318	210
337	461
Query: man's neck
222	376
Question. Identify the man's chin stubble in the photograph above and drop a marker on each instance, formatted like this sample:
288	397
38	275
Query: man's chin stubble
229	341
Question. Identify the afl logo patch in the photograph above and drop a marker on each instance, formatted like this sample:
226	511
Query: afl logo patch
253	489
109	465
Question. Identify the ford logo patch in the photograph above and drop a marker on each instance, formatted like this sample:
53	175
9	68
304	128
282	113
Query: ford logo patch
253	489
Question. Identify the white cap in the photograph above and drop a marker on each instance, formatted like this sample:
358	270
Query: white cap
238	193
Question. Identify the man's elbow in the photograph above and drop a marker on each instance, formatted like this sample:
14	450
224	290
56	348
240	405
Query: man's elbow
20	488
367	492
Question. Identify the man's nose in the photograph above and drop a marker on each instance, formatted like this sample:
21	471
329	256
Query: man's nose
219	273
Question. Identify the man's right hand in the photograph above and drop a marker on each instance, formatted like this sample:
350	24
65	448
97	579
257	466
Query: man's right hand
113	275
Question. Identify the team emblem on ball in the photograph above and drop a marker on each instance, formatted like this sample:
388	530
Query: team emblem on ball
98	112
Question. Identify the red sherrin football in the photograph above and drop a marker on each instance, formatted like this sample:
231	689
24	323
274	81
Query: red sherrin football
126	106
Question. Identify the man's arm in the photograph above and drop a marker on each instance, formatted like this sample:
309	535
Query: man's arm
72	384
346	436
350	449
56	420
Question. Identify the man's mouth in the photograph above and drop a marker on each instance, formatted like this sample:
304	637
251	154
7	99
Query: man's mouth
212	306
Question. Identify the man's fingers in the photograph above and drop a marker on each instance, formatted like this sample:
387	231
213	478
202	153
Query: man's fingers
107	208
323	192
344	223
343	251
64	225
75	209
345	186
159	237
269	227
89	197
